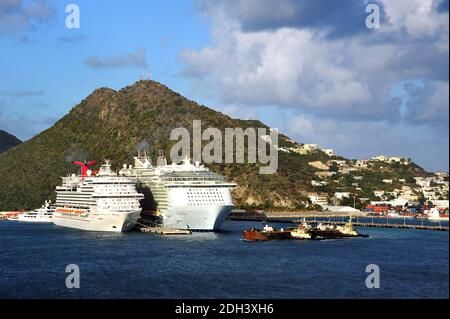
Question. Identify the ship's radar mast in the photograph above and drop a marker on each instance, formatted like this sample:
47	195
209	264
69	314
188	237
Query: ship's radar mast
105	169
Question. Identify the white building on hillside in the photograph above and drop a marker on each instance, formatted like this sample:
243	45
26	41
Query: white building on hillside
320	200
378	193
342	195
442	204
342	209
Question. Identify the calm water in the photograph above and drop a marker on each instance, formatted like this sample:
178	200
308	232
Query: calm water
413	263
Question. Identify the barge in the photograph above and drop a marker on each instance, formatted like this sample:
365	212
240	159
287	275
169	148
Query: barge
303	231
267	233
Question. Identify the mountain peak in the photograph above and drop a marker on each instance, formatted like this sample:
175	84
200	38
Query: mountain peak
7	141
149	89
110	124
101	93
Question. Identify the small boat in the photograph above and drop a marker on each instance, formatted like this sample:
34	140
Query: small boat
348	230
324	231
267	233
40	215
302	231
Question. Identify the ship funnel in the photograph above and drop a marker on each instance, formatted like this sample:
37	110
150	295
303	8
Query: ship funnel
85	166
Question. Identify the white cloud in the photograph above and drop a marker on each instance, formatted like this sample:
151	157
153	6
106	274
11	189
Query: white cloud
136	58
418	18
428	103
364	139
303	68
288	66
17	15
331	78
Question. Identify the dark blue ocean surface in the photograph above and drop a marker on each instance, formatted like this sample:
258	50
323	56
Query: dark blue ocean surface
33	258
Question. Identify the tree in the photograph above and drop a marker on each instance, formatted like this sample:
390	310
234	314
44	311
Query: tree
422	198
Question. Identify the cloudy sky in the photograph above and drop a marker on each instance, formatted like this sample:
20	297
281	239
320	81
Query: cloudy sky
308	67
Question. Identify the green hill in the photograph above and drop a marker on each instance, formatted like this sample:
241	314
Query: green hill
111	124
7	141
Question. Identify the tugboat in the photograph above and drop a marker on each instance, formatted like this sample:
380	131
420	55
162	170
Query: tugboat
349	231
324	231
302	231
335	232
268	233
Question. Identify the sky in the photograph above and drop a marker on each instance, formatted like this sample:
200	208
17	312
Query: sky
310	68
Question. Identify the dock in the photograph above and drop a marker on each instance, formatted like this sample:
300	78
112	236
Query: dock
386	225
377	222
161	230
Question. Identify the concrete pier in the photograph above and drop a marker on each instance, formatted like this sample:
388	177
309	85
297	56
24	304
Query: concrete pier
385	225
377	222
165	231
161	230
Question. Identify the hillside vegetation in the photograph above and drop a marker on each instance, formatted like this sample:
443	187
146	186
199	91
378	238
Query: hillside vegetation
111	124
7	141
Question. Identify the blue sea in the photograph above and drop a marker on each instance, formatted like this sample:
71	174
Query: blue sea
33	260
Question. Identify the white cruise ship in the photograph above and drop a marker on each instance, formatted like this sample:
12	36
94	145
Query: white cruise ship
184	196
40	215
104	202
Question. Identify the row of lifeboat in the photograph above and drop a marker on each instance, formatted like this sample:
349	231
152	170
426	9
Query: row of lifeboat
303	231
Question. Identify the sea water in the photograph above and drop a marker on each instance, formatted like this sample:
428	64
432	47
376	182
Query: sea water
34	257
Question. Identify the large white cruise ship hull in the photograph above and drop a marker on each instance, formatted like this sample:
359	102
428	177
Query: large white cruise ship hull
106	222
205	218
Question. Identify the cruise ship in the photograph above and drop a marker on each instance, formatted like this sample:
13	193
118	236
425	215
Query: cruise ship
40	215
182	196
97	201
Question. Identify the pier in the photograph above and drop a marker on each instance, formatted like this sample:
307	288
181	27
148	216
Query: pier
376	222
386	225
161	230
